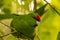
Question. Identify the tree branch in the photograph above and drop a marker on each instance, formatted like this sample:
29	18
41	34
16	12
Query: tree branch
52	7
35	5
7	34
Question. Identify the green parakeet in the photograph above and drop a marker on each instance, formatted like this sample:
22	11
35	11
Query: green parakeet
26	24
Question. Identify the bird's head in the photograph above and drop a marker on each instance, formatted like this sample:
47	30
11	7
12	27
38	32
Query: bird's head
37	17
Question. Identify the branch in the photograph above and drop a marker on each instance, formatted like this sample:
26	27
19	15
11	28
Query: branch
10	28
7	26
35	5
52	7
7	34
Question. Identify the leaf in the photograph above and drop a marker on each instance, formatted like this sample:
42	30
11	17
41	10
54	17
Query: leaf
40	3
56	4
8	3
11	38
26	4
1	39
49	27
1	3
6	11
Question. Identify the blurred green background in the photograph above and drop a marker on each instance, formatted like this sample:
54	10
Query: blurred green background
49	27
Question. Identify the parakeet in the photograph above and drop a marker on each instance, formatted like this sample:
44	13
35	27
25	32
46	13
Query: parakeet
25	24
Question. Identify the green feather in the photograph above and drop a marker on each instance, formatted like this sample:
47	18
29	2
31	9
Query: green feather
41	10
25	25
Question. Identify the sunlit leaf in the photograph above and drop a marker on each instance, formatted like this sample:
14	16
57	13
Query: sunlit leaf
1	39
11	38
49	27
56	4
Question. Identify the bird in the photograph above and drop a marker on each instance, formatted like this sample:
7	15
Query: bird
25	24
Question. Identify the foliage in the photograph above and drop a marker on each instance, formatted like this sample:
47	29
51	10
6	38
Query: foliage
50	25
48	28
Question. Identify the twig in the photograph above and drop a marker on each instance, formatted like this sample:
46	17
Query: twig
11	32
2	38
35	5
38	37
52	7
7	34
7	25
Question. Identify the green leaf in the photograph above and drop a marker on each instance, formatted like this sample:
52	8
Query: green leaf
40	3
56	4
1	39
1	3
26	4
6	11
50	25
11	38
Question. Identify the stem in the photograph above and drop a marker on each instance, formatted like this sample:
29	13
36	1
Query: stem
7	34
12	32
52	7
35	5
7	26
2	38
38	37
